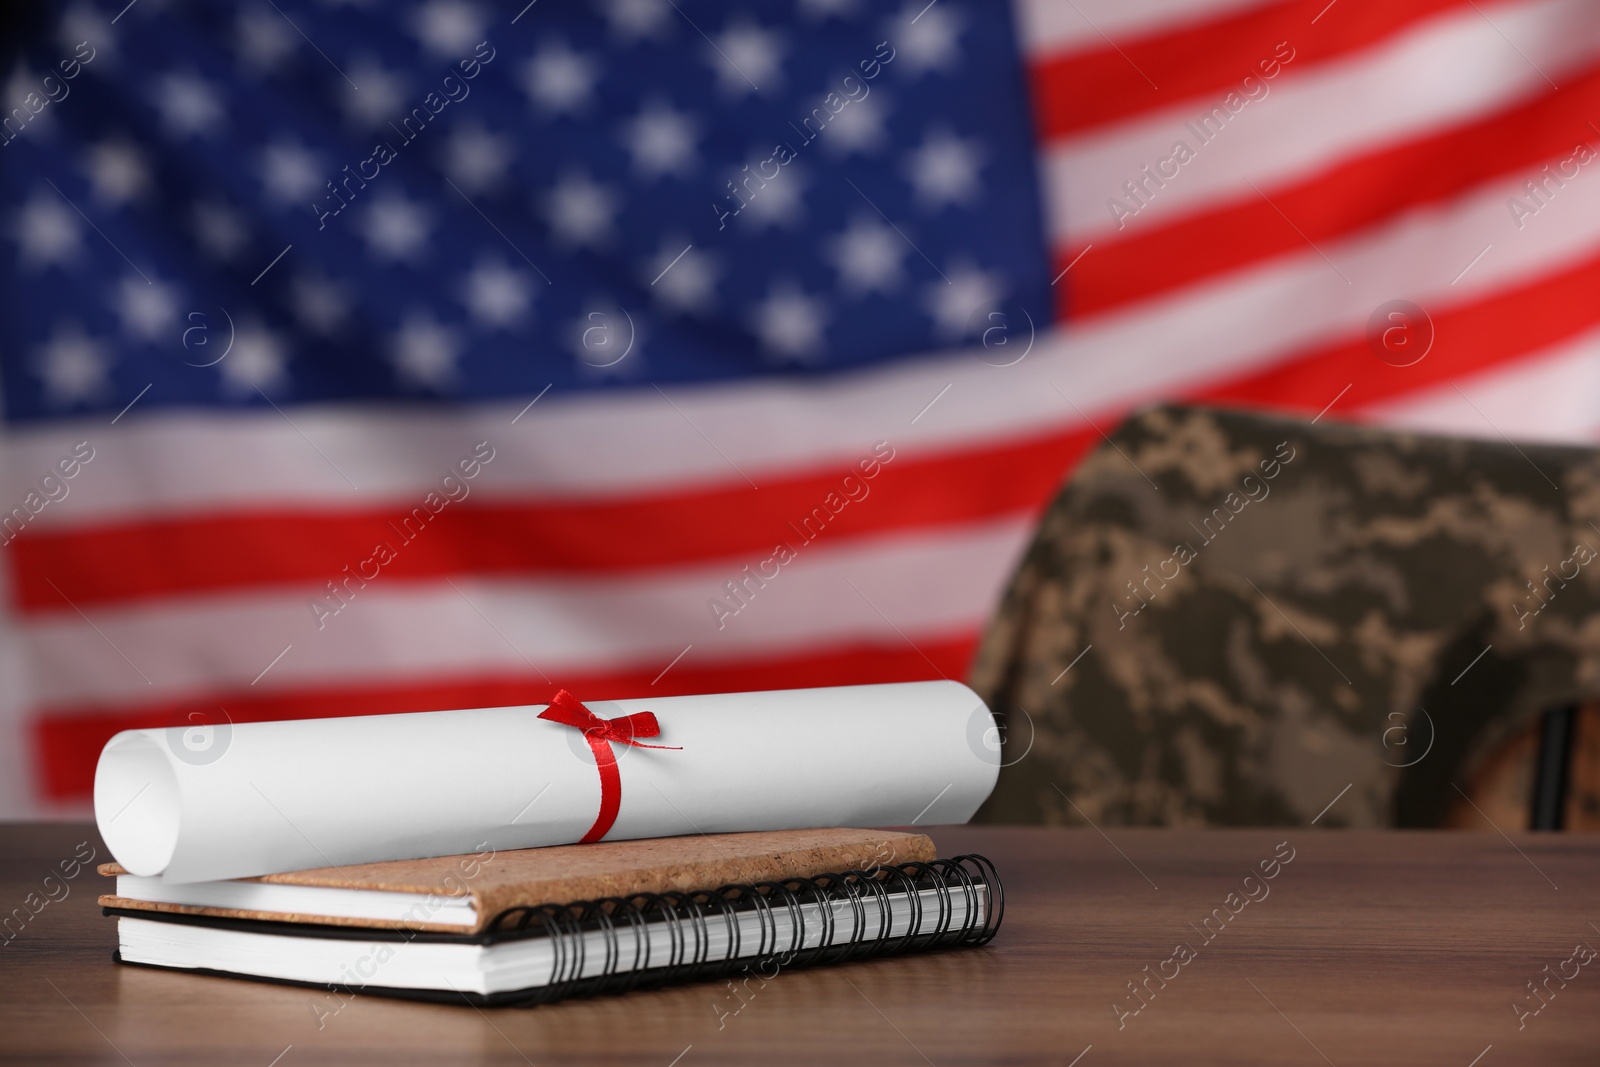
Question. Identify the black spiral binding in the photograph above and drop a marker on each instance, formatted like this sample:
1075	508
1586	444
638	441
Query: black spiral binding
689	919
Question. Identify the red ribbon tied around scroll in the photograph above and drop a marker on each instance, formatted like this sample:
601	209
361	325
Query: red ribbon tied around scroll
601	734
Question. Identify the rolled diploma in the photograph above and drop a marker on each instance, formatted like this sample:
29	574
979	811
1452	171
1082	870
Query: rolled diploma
286	796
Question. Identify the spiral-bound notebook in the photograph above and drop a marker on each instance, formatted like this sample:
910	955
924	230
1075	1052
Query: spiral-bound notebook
537	925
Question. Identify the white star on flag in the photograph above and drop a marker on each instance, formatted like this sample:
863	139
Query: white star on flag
263	39
117	173
924	39
944	170
148	309
447	28
256	361
425	352
395	228
497	295
290	175
953	303
868	256
746	59
188	106
789	323
661	140
377	97
476	159
48	232
74	368
581	211
639	20
685	278
559	80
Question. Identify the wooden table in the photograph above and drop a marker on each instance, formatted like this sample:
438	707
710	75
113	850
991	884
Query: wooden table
1366	948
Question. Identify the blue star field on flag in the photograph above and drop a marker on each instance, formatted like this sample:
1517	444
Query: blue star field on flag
242	204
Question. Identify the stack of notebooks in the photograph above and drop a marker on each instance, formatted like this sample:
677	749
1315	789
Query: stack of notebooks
536	925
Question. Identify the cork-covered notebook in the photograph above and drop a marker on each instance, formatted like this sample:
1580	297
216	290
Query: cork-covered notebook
534	925
453	894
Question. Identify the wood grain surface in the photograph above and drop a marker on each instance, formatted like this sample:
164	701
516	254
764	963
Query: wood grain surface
1364	948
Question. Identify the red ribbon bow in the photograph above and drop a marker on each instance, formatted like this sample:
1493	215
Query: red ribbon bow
568	710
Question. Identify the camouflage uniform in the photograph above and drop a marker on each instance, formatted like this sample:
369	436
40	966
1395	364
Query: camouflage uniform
1275	609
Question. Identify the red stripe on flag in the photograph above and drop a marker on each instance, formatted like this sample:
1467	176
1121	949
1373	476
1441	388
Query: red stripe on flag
161	558
67	742
1512	323
1076	92
1334	203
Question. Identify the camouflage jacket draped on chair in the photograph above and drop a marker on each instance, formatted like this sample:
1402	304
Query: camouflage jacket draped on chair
1227	618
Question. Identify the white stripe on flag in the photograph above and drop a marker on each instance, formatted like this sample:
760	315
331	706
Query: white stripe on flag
400	631
1055	27
1441	72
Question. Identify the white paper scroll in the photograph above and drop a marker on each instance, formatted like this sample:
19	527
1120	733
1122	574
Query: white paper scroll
258	798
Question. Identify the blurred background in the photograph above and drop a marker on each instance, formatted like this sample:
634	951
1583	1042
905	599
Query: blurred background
365	357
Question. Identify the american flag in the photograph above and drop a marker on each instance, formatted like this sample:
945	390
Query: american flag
378	357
